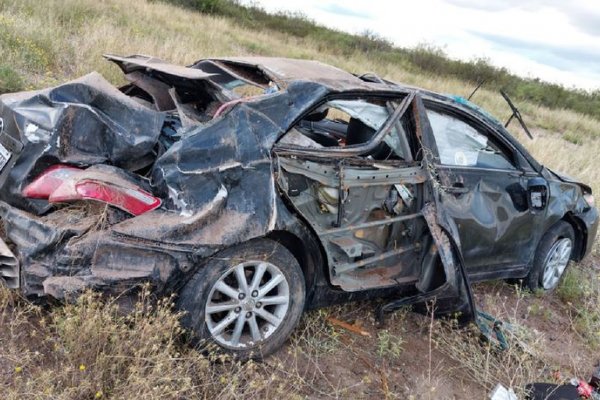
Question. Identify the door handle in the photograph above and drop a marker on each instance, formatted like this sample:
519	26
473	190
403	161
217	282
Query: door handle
457	188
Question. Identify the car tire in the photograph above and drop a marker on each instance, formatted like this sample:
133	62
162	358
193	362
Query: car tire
551	257
248	320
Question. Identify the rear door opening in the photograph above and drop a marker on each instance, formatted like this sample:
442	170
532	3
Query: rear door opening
370	203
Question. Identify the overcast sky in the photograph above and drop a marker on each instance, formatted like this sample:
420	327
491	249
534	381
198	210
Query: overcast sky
557	41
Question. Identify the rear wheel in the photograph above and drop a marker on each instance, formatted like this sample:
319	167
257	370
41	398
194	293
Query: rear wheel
247	299
552	257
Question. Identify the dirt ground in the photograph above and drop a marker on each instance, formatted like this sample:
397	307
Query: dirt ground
436	361
336	352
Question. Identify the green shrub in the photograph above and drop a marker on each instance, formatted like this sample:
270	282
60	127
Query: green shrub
580	291
389	345
573	138
10	80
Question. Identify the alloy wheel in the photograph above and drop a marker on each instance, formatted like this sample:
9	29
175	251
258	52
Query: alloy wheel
247	304
556	262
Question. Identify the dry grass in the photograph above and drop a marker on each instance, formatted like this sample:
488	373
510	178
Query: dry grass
580	292
89	349
523	362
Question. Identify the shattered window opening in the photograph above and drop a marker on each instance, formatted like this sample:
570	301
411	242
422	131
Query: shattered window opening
238	80
189	103
460	144
344	123
365	210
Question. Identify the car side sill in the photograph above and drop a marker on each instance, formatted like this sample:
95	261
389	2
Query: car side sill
506	272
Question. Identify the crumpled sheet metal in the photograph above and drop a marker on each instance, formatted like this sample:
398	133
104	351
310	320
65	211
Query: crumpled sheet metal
70	249
144	63
42	241
286	70
83	122
203	180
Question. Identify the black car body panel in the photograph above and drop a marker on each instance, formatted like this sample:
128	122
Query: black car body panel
84	122
212	157
498	229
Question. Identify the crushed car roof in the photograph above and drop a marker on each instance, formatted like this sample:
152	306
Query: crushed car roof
289	69
278	69
141	62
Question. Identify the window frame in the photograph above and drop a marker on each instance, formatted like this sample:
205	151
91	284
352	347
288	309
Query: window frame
508	150
405	100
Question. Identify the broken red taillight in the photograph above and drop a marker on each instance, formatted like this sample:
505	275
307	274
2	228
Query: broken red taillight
48	181
62	183
133	200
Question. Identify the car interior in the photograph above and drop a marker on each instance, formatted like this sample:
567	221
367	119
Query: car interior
366	208
342	123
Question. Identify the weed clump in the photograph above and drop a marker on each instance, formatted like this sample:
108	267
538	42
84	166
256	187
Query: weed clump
91	349
580	291
10	80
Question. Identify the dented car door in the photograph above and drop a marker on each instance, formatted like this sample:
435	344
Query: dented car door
484	193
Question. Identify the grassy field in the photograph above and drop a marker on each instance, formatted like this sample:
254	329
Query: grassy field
89	351
423	58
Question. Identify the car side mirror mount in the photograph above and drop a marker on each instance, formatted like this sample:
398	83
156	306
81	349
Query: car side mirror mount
537	194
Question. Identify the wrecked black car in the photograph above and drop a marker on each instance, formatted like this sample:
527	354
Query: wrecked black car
255	188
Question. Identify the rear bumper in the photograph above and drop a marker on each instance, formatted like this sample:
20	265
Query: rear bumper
9	267
62	253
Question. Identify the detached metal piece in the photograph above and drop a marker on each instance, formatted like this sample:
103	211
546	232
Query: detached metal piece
480	84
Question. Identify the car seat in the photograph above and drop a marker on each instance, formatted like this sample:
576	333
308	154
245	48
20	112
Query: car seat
358	133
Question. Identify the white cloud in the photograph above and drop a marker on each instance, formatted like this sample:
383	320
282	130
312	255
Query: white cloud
557	31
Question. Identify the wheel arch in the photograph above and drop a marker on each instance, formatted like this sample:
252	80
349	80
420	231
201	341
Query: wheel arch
307	252
580	235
